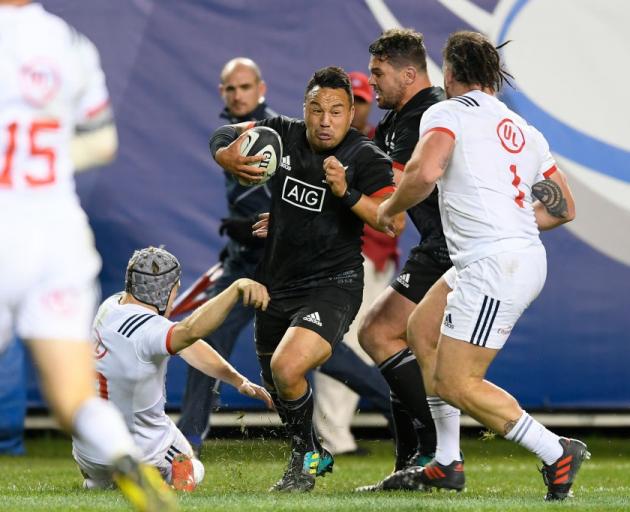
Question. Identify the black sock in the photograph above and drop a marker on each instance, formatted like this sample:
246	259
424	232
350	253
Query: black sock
404	433
267	381
299	417
316	442
402	373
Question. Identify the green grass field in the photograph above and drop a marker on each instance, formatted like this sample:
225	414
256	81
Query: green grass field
500	477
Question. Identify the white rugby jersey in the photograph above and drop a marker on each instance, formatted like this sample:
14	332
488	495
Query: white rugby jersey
485	192
50	81
131	353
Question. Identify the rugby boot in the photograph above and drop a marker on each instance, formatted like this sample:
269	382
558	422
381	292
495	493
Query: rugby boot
326	463
420	460
417	460
416	478
300	473
560	475
183	474
143	486
438	475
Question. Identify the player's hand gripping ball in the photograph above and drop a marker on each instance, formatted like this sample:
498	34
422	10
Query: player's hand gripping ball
265	142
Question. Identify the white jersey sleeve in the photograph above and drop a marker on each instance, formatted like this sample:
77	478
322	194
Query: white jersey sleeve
153	337
548	162
441	118
93	97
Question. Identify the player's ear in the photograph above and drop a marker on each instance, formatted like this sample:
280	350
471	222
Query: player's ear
262	88
410	75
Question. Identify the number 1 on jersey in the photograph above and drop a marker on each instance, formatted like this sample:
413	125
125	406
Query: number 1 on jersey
516	182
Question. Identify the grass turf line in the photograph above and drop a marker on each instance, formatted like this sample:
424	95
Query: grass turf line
500	477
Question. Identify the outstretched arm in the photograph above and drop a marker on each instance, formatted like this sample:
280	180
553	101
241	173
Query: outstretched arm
426	165
555	204
204	358
212	314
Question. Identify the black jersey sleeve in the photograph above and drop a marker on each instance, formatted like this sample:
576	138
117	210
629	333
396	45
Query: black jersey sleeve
373	171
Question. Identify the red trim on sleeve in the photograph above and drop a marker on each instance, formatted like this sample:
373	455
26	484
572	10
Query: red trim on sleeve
398	166
103	390
98	109
389	189
169	334
440	129
250	125
550	171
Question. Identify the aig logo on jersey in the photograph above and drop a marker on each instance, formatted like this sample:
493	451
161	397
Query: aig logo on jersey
303	195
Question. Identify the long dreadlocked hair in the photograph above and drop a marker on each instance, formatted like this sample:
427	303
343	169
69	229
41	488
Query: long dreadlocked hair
473	59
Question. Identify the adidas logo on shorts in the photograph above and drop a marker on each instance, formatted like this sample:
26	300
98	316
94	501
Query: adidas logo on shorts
448	321
404	280
313	318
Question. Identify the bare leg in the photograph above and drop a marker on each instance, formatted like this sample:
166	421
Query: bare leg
66	369
459	379
423	331
383	331
383	335
299	351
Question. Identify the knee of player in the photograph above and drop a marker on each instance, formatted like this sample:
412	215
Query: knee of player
448	389
420	344
369	338
285	373
98	485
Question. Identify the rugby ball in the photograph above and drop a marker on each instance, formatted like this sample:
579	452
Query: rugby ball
264	141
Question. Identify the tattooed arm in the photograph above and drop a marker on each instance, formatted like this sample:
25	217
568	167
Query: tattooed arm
555	204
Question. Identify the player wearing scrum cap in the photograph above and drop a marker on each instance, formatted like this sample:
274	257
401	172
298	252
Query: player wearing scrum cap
330	182
133	342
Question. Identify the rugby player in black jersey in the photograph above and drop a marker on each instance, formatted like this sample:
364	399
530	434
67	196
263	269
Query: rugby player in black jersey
330	183
398	74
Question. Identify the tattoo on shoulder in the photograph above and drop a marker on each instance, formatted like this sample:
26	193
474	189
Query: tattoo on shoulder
549	193
509	426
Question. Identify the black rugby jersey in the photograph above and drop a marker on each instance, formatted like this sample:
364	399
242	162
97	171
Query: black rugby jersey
397	134
313	237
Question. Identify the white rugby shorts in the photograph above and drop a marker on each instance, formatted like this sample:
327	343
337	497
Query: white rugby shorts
48	271
489	295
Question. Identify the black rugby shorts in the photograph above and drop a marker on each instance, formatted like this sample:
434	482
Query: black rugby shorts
419	273
326	310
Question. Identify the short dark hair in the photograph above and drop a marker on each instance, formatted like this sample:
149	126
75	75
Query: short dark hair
332	77
401	47
473	59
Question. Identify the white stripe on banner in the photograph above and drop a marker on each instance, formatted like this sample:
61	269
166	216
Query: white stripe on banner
387	20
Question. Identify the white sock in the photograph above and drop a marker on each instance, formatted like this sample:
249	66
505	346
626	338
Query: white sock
99	424
198	470
446	418
532	435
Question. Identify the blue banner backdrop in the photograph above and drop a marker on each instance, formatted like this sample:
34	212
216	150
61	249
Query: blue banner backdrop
163	58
